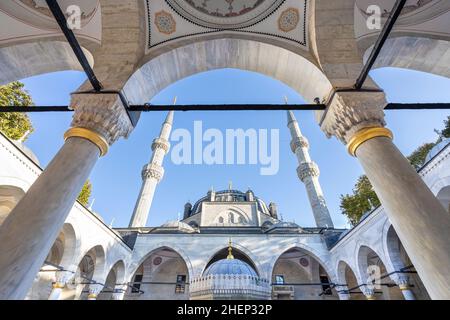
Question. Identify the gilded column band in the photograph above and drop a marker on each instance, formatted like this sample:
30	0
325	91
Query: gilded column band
366	134
90	135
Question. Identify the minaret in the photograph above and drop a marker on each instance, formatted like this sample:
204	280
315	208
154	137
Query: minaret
308	172
152	173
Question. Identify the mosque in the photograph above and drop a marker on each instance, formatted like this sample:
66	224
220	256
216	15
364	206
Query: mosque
230	244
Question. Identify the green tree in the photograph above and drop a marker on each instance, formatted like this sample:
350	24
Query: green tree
85	193
15	124
446	131
362	200
417	158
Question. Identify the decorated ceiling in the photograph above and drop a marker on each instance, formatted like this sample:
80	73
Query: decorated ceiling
29	19
174	20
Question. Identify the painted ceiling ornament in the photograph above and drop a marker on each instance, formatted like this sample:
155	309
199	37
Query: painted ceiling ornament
225	14
88	7
289	19
165	22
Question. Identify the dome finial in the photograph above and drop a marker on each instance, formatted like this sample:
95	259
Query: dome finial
230	249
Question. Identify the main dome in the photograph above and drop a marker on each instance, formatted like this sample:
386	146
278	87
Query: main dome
230	266
225	14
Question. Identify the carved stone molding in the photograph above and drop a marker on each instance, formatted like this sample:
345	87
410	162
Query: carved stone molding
102	113
299	142
349	112
307	169
152	170
159	143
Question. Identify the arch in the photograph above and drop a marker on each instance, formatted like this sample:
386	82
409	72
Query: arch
158	73
113	281
297	266
386	288
134	266
71	245
119	268
30	59
364	252
91	268
401	52
310	251
161	274
9	197
249	257
400	259
348	281
223	253
391	247
444	197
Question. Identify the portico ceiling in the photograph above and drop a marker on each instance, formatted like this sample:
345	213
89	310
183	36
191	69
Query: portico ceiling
171	21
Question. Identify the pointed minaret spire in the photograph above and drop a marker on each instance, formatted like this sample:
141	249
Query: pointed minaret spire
152	173
308	172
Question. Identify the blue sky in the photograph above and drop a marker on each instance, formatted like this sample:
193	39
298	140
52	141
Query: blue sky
116	178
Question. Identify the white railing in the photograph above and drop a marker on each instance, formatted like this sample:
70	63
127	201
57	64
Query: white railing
229	285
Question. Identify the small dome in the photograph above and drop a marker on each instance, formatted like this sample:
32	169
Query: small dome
284	224
28	152
230	266
178	225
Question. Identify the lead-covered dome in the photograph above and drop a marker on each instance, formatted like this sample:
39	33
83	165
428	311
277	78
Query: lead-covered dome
230	267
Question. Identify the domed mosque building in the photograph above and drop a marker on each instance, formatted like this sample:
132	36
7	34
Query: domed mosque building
228	245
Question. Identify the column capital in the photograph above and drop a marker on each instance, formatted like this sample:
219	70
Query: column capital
349	112
99	117
62	278
368	292
402	281
94	290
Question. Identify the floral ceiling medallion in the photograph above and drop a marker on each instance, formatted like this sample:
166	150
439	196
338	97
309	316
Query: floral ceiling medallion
165	22
288	19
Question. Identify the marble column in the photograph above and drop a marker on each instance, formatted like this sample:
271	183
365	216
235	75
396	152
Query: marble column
31	228
419	219
62	278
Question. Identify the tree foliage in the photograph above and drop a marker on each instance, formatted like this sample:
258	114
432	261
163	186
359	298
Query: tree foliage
417	158
446	131
362	200
15	124
85	193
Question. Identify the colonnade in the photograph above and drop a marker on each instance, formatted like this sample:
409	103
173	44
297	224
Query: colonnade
356	118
